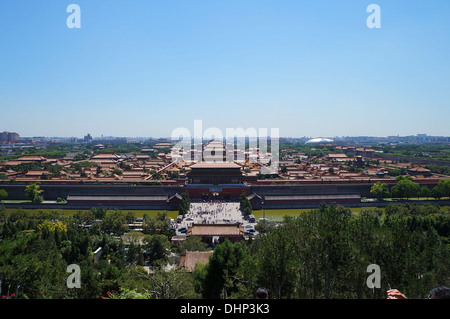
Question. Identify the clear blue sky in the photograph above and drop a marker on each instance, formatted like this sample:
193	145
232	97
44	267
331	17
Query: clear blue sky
146	67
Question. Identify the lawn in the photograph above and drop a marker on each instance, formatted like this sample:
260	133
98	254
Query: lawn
271	214
12	201
137	213
278	214
415	198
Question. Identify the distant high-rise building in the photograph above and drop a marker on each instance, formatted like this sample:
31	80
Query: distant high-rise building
13	137
9	137
88	138
4	137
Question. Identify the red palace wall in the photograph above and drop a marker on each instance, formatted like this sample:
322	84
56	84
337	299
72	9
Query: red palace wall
223	191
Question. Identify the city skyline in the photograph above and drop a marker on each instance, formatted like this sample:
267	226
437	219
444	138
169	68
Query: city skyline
206	137
144	68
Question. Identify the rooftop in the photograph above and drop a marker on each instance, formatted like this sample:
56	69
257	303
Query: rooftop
312	197
31	158
193	258
419	169
338	155
215	165
319	140
215	230
116	198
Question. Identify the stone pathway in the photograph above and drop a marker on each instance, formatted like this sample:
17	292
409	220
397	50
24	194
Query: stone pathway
212	213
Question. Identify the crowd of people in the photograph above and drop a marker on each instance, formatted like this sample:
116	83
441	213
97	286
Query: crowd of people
214	212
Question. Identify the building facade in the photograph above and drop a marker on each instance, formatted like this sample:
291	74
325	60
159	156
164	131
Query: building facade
215	173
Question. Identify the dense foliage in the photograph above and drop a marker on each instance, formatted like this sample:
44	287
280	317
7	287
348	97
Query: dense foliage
244	205
323	253
407	188
185	204
435	151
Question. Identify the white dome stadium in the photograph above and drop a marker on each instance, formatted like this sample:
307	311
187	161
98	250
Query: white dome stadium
319	140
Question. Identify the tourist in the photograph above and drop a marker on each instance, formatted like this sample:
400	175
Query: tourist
262	293
441	292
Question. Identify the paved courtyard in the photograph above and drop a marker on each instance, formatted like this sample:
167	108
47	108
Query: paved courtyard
212	212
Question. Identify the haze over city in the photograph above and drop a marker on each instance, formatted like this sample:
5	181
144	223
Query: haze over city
144	68
203	154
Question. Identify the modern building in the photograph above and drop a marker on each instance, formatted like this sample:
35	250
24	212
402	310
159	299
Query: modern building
88	138
9	137
319	140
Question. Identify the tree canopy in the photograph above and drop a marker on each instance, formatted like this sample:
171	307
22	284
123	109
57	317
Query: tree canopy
321	253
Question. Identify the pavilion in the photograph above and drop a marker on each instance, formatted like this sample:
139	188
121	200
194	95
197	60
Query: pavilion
215	173
215	180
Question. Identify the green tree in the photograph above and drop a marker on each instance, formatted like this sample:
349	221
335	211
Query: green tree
265	226
443	187
245	205
366	237
405	188
403	176
157	225
3	194
117	171
277	270
324	253
132	253
33	263
185	204
172	284
425	191
114	222
129	294
325	250
3	214
437	192
33	192
219	277
98	212
379	190
157	247
192	243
